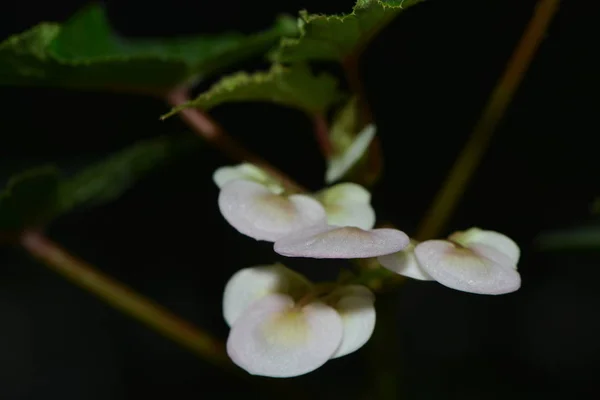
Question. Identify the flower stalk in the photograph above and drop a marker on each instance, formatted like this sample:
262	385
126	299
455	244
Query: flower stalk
467	162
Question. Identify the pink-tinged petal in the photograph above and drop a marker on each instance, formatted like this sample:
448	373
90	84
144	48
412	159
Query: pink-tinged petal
498	241
250	284
356	308
405	263
274	338
255	211
341	242
482	270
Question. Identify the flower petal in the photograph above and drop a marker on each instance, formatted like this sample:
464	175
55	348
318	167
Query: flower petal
341	242
345	193
405	263
348	204
493	239
469	270
257	212
356	308
273	338
339	165
247	172
250	284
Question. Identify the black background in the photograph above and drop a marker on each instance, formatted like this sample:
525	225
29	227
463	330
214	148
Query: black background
427	76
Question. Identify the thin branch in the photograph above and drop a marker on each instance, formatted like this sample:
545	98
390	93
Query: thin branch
125	299
449	195
213	133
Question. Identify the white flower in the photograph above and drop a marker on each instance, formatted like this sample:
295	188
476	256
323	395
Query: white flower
475	261
405	263
341	163
250	284
248	172
275	338
256	211
341	242
348	204
274	334
500	242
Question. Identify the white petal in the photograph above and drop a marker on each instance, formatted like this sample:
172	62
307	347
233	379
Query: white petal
474	270
405	263
248	172
250	284
348	204
341	164
356	308
341	242
256	212
493	239
273	338
345	193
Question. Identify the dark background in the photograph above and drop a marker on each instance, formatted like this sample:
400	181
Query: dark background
428	76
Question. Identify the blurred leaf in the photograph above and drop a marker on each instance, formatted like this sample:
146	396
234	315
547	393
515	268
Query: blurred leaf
335	37
29	198
108	179
292	86
85	53
36	196
582	238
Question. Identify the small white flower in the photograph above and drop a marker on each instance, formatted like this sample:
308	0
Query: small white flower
405	263
475	261
256	211
248	172
348	204
250	284
341	242
500	242
341	163
275	335
275	338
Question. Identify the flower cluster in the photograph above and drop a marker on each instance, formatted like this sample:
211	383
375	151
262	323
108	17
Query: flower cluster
282	325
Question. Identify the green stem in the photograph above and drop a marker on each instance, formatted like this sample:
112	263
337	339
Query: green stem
125	299
451	191
584	238
384	351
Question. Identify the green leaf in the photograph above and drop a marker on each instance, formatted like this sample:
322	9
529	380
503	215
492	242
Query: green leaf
85	53
35	197
336	37
108	179
29	198
292	86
